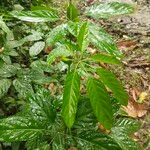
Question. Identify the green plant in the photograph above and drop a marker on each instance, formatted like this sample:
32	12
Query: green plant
48	121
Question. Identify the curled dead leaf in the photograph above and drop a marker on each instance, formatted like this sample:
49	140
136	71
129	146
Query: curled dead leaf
134	109
102	129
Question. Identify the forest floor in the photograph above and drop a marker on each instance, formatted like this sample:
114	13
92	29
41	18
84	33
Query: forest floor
132	34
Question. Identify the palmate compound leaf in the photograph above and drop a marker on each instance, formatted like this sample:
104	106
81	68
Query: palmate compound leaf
59	51
100	102
108	10
36	16
99	38
4	86
105	58
19	129
114	85
70	98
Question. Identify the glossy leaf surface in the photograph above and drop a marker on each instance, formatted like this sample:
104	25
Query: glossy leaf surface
98	141
70	98
36	48
72	12
41	107
114	85
60	51
102	40
82	39
7	70
35	16
19	129
124	141
4	86
56	34
105	58
100	102
108	10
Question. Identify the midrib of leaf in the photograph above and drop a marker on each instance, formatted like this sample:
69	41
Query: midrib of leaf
102	43
71	89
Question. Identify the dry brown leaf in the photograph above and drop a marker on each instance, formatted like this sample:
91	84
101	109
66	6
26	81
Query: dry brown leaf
102	129
72	148
52	88
126	44
48	49
135	93
134	109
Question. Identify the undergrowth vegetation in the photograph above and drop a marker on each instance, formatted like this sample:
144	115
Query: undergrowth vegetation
55	92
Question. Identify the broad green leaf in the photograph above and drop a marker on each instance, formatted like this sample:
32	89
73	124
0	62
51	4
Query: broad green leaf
124	141
23	87
36	48
41	66
6	58
38	76
70	98
85	116
11	53
114	85
102	40
4	86
19	129
72	12
56	34
7	70
98	141
41	107
73	28
37	145
4	27
82	37
105	58
60	51
35	36
35	16
129	125
108	10
100	102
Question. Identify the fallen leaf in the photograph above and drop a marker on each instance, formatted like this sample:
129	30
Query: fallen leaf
102	129
48	49
134	109
126	45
